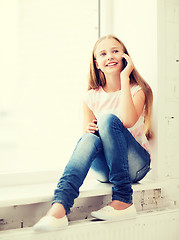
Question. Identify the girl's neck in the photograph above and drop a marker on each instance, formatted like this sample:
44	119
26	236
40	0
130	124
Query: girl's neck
113	83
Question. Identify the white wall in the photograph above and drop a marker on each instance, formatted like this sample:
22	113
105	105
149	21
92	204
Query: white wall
168	88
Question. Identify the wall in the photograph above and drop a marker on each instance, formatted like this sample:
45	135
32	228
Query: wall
168	88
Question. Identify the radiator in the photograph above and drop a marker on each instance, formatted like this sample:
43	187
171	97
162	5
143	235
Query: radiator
161	225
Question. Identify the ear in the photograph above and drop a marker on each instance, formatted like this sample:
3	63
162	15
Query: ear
96	63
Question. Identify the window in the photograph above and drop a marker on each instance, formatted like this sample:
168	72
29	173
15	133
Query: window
46	49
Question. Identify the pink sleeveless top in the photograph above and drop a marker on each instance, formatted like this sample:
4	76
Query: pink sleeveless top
101	102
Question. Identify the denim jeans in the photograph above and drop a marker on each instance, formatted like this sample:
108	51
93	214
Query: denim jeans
115	156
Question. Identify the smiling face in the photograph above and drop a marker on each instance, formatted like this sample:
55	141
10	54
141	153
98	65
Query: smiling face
108	55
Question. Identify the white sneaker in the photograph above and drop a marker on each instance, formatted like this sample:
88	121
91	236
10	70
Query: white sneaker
50	223
109	213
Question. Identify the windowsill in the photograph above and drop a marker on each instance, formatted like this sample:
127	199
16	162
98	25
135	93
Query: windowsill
37	193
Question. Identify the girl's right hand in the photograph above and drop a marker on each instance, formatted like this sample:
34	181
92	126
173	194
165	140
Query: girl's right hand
125	73
92	127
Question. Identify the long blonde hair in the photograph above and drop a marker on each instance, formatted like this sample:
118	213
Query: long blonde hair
97	78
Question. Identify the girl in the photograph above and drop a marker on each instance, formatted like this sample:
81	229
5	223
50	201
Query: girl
117	127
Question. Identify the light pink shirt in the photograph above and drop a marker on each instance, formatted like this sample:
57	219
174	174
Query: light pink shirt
101	102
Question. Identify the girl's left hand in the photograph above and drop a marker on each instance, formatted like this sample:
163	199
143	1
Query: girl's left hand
125	73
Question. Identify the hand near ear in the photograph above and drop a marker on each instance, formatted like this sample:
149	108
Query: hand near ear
125	73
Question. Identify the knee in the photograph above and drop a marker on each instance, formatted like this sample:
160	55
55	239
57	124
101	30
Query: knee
100	177
108	121
89	140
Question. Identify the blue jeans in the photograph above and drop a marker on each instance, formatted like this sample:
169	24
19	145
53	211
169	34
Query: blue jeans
115	156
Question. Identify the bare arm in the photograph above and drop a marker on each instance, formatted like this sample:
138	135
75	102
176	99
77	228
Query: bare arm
130	108
89	120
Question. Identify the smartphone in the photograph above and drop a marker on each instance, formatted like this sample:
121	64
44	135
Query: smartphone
124	62
96	132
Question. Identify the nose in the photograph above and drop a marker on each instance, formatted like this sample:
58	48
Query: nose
109	56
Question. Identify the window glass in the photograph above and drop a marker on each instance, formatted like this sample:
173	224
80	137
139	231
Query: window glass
45	54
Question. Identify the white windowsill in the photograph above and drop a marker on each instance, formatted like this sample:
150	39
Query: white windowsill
36	193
